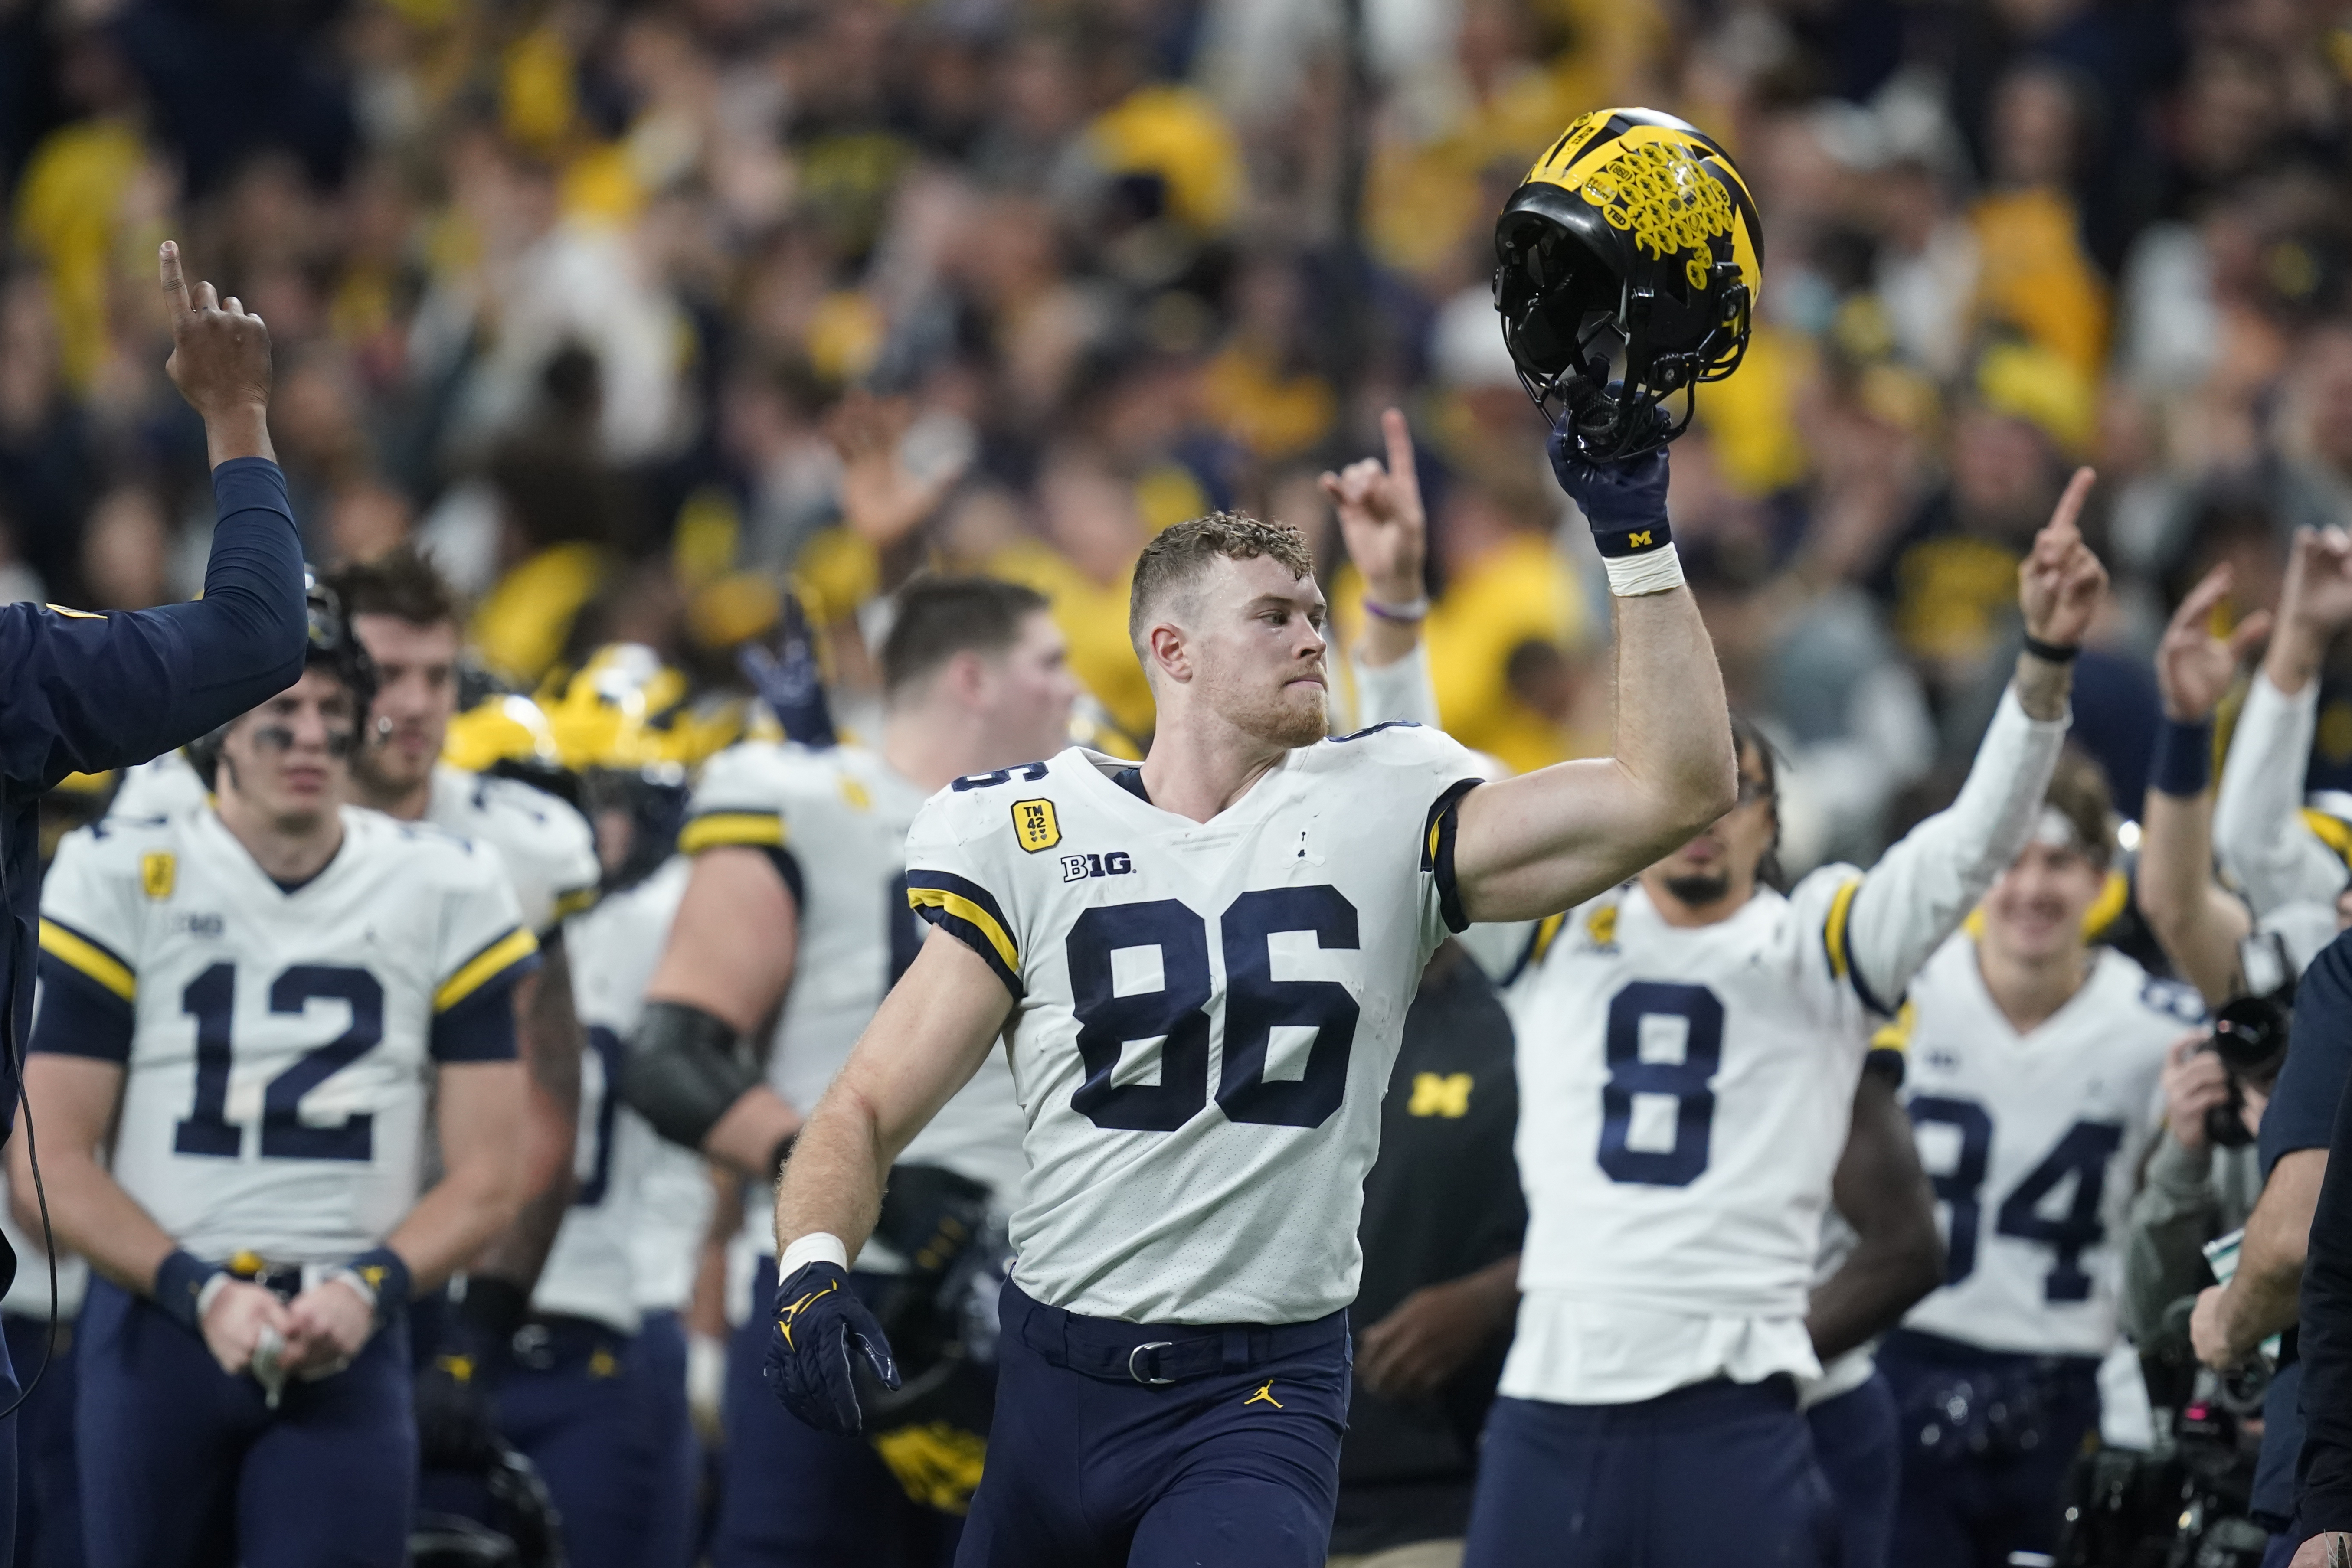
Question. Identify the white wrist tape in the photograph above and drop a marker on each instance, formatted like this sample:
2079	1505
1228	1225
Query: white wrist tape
213	1287
816	1247
1652	571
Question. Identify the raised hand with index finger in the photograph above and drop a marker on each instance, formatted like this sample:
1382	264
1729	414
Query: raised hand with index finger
1381	520
220	362
2061	582
2193	667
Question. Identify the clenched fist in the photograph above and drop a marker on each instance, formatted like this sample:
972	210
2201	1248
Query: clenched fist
220	362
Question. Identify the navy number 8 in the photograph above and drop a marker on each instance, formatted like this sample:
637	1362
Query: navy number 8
1686	1080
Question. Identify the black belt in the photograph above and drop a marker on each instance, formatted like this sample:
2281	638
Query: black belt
1160	1354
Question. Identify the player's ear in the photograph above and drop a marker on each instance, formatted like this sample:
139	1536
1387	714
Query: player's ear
1167	652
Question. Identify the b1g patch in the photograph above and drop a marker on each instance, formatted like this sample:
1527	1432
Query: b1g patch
1035	825
157	872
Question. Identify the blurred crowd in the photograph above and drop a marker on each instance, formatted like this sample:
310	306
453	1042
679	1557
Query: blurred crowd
636	314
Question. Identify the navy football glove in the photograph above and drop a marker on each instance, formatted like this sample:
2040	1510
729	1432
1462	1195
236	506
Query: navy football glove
818	1321
787	678
1624	502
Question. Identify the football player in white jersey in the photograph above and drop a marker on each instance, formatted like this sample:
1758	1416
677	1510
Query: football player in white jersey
1244	918
249	1008
580	1399
407	616
798	899
1690	1046
2034	1062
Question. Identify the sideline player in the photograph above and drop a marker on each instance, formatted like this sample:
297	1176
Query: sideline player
257	1000
407	616
584	1396
1245	916
798	897
2034	1063
1690	1049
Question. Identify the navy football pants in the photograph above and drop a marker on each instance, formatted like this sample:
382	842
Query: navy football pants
658	1376
1855	1442
1236	1466
1969	1509
1715	1474
580	1408
794	1497
48	1491
182	1464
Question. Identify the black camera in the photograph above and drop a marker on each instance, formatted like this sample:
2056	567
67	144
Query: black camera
2250	1035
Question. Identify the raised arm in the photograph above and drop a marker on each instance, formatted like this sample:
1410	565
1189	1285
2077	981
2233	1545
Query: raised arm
1924	887
1541	843
1387	534
2195	921
2258	825
85	693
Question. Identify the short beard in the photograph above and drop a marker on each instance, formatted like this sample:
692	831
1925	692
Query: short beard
1700	888
371	782
1276	721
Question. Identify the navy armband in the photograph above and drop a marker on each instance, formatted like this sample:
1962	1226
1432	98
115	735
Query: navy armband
180	1281
381	1276
2183	762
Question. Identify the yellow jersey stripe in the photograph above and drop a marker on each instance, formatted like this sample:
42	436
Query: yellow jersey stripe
970	914
2333	832
1833	928
485	967
757	829
1547	930
578	901
71	948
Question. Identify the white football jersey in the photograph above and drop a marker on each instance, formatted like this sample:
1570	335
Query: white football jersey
1206	1013
591	1271
2034	1143
280	1043
547	847
1683	1096
837	819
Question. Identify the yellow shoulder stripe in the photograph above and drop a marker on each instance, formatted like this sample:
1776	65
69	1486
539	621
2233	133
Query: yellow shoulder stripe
759	830
89	957
75	614
1833	928
2333	832
971	913
1895	1034
578	901
1547	932
485	967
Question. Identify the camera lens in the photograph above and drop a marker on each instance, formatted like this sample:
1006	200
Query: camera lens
2250	1033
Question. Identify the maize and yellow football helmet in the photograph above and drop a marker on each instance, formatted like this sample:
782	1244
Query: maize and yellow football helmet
1629	265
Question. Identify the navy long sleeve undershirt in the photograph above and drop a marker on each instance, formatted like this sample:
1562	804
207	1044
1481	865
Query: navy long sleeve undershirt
82	693
2324	1468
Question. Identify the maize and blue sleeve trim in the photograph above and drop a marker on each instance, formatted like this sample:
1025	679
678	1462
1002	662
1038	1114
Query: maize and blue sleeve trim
968	911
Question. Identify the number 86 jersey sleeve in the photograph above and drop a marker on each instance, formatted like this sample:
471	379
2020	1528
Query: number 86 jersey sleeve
277	1044
1206	1014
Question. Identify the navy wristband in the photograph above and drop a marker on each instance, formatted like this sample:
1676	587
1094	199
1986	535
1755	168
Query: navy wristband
2183	762
180	1284
381	1270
